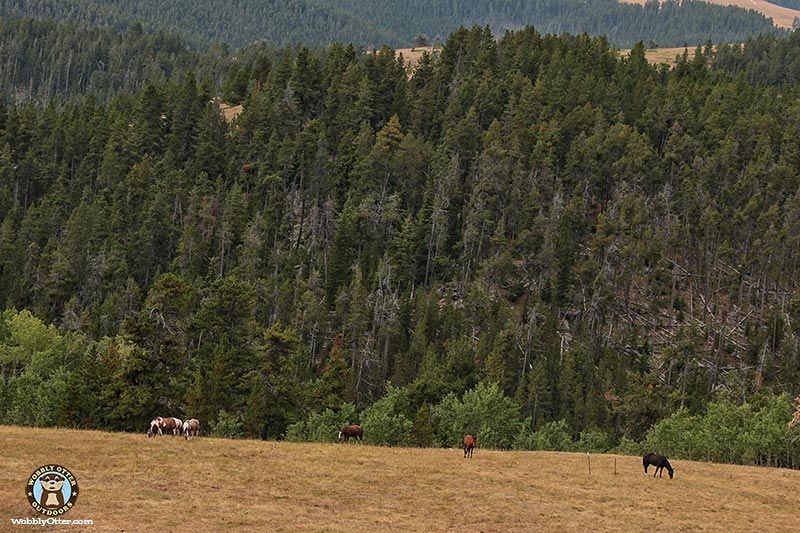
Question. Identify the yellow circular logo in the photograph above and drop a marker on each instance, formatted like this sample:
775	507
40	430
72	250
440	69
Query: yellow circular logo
52	490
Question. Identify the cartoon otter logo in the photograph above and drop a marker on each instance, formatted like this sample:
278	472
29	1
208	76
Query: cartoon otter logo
52	490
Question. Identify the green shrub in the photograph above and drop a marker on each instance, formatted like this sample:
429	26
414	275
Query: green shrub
628	446
385	422
592	440
676	435
324	426
524	438
553	436
228	426
422	430
484	412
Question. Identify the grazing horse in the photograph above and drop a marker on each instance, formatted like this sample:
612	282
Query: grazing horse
355	431
175	425
659	461
191	428
155	427
469	445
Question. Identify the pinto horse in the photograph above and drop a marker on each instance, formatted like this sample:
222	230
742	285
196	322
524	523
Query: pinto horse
659	461
159	424
191	428
354	431
155	427
175	425
469	445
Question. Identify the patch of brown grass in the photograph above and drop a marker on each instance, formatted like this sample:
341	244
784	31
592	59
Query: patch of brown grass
230	112
411	56
659	56
132	483
781	16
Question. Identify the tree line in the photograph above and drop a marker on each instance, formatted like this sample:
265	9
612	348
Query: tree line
598	242
377	22
44	61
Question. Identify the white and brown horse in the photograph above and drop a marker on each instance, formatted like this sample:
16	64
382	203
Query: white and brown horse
175	425
159	425
191	428
155	427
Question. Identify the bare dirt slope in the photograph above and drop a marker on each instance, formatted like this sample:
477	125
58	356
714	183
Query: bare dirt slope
130	483
782	16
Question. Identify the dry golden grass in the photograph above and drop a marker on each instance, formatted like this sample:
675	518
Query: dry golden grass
230	112
782	16
666	56
658	56
411	56
130	483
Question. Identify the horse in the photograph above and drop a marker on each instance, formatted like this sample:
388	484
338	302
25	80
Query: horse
155	427
354	431
191	428
659	461
469	445
175	425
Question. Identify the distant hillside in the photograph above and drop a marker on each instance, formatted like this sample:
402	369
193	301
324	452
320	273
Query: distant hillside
782	12
236	22
673	24
44	60
376	22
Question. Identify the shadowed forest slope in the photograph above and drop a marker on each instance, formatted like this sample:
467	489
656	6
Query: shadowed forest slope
374	23
606	241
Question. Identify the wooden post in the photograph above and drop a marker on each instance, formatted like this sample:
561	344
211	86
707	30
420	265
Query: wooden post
589	460
615	466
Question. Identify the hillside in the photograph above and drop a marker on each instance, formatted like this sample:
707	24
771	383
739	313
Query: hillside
776	10
223	484
374	23
597	245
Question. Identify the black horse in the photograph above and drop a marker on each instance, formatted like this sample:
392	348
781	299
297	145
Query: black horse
659	461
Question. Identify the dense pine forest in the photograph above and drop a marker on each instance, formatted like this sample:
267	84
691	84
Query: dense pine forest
526	238
44	61
377	22
791	4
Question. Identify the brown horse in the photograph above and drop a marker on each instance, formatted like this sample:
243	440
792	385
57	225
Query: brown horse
354	431
659	461
175	425
191	428
469	445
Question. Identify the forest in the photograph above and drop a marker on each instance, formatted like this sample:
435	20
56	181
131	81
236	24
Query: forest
791	4
528	238
372	23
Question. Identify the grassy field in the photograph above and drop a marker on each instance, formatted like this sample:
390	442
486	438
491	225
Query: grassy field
661	55
411	56
782	16
130	483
